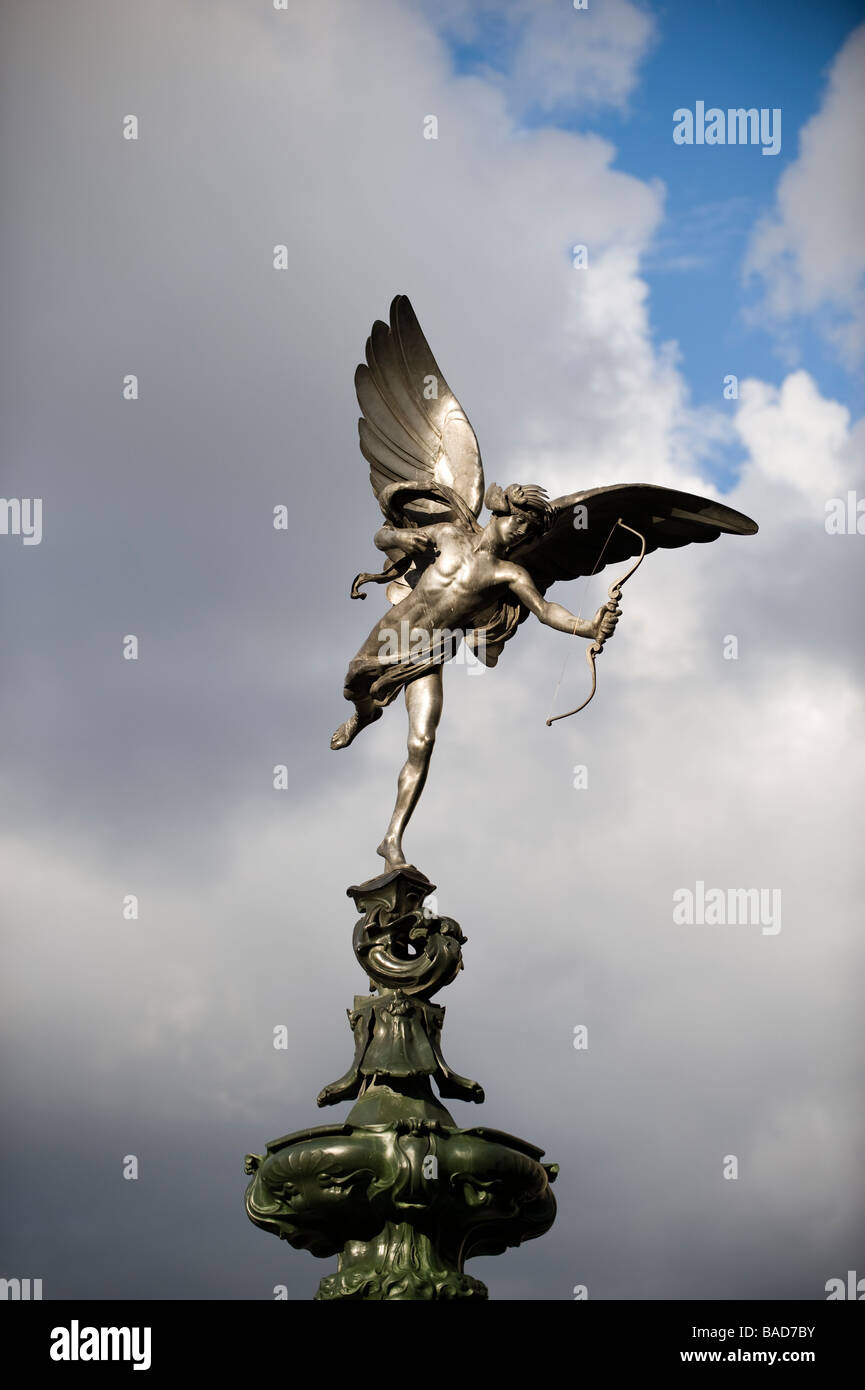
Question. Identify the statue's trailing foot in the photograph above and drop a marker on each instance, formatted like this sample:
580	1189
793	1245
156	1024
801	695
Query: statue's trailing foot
351	727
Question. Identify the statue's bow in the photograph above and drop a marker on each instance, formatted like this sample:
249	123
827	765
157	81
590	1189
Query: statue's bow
614	593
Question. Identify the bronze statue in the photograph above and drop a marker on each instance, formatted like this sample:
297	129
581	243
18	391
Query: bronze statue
449	578
399	1190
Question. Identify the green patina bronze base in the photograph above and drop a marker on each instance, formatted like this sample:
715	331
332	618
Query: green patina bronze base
399	1192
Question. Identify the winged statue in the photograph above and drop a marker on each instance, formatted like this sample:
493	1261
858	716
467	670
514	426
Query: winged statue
452	578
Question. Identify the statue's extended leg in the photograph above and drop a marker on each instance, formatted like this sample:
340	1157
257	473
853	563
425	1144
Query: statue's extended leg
423	698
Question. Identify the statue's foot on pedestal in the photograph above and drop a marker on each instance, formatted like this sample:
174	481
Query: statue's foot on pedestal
390	850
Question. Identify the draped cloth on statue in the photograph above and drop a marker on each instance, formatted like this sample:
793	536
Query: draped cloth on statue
381	674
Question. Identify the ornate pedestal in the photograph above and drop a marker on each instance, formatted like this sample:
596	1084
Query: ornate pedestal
399	1192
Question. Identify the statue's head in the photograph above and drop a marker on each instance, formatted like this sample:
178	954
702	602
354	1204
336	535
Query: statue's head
521	512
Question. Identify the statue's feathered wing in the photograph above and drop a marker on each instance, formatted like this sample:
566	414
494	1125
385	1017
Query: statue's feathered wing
413	428
584	537
423	455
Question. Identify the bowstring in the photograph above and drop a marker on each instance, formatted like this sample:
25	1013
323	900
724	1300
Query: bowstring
583	593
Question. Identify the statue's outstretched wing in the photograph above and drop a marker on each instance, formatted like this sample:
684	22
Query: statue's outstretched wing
584	537
413	428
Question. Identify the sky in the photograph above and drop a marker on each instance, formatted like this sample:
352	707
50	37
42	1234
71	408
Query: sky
712	341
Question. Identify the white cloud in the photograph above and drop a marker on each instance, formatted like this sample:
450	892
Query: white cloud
548	56
798	438
810	251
